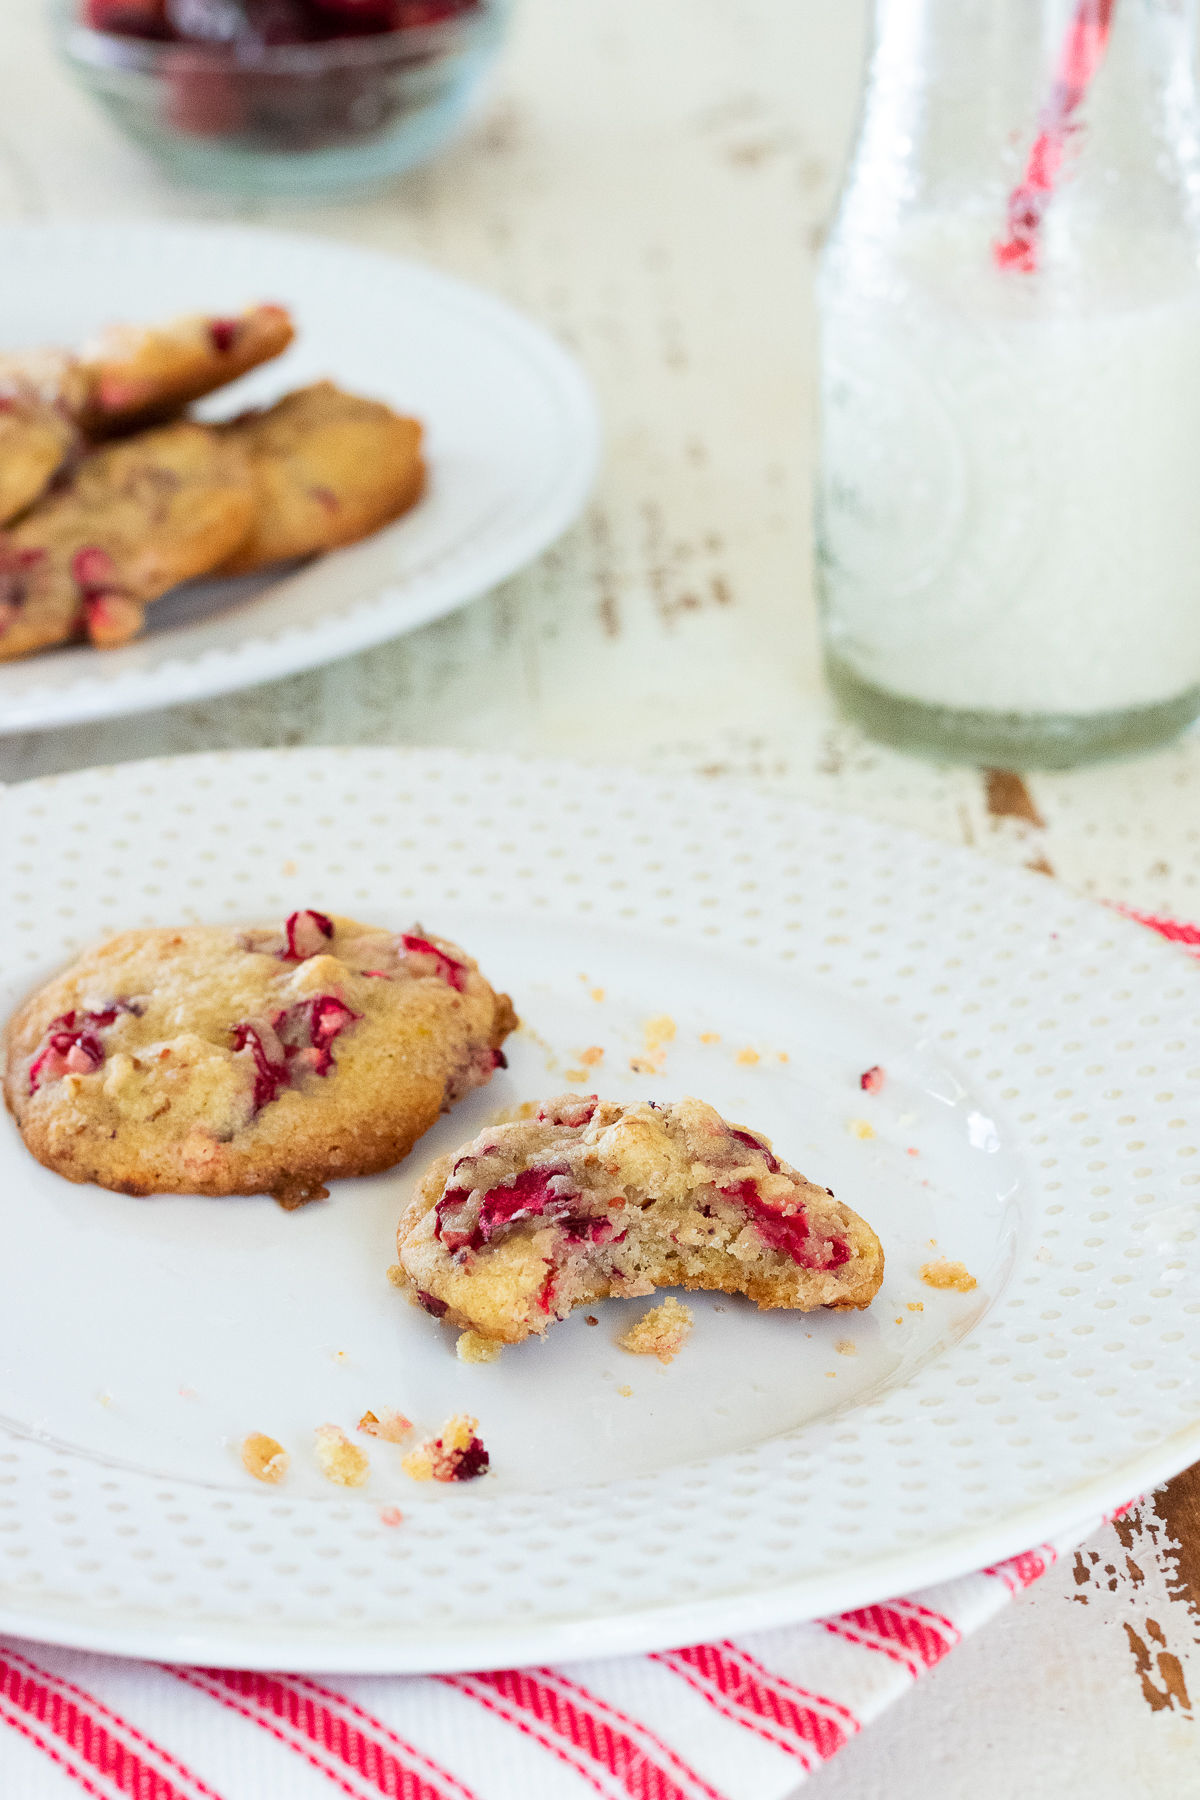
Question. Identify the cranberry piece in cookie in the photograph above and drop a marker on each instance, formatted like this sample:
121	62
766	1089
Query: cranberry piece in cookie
329	468
226	1068
592	1199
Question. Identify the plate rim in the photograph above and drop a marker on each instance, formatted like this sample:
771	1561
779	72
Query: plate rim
370	1649
365	622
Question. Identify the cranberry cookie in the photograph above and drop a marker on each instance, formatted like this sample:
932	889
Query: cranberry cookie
593	1199
329	468
36	438
134	519
135	375
212	1060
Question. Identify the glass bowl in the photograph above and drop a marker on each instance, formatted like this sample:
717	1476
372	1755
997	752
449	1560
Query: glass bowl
296	119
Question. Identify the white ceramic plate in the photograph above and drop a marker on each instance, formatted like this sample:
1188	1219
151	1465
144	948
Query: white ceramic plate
512	447
1033	1125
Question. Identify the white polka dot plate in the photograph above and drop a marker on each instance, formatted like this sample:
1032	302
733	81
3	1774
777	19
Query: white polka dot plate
1037	1123
511	442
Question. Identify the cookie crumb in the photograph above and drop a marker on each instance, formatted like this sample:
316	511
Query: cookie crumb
625	1392
263	1458
591	1056
861	1129
341	1462
871	1080
456	1454
944	1274
590	1319
661	1332
846	1347
390	1515
710	1037
597	995
747	1057
916	1306
340	1356
575	1075
388	1424
645	1065
289	868
396	1275
783	1056
473	1347
658	1031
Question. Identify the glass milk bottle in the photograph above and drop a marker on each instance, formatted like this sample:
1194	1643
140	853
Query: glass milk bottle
1009	491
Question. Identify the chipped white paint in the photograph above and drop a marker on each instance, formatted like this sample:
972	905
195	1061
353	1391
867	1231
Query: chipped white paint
651	182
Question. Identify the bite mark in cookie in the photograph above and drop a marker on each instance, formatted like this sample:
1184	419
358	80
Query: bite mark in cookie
204	1061
593	1199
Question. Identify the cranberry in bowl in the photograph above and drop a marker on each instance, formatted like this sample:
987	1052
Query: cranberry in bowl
284	96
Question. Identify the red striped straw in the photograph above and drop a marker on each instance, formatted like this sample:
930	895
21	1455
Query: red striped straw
1082	53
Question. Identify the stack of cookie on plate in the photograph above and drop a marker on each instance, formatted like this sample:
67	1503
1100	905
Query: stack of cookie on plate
109	497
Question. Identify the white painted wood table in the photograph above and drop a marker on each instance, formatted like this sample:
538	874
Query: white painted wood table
651	181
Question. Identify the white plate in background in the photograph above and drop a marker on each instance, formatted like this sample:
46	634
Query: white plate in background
512	444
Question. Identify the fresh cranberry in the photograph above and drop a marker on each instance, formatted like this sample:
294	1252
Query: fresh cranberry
307	933
871	1080
203	101
431	1303
455	973
224	334
752	1143
499	1060
128	18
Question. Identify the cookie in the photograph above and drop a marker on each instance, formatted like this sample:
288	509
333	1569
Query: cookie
136	374
213	1060
134	519
36	439
593	1199
329	468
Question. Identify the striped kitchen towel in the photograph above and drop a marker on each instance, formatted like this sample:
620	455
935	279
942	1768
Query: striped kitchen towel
745	1719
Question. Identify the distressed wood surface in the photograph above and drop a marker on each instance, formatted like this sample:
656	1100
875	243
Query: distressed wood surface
652	182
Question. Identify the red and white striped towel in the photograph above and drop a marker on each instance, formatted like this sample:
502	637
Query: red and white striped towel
745	1719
